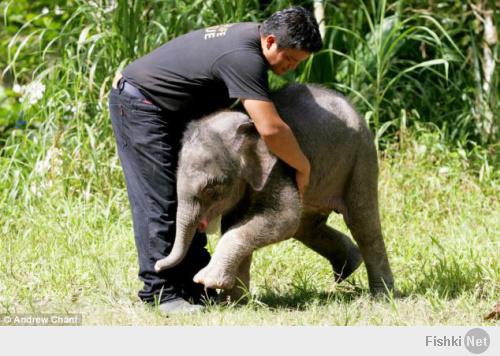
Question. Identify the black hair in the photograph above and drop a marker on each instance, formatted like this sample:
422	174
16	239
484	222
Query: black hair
294	27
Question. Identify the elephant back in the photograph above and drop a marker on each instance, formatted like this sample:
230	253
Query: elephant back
329	131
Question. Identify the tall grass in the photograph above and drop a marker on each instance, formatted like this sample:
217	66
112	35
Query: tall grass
398	69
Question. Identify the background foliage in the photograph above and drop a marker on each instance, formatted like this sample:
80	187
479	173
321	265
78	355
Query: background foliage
405	64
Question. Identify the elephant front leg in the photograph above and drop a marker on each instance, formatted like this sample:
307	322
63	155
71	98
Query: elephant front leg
232	248
242	285
238	243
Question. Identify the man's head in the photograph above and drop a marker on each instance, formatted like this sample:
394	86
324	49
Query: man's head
288	37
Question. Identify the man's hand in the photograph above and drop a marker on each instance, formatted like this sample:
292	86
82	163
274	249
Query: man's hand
302	178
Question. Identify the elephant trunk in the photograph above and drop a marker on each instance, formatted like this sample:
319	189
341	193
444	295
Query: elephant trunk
185	231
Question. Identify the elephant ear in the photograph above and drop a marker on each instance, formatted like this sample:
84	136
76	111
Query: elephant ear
257	161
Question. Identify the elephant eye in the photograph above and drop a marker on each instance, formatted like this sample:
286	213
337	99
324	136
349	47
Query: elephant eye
213	192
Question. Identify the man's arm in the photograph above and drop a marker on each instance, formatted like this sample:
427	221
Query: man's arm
279	138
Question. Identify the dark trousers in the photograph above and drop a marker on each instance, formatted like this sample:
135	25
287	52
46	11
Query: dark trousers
148	142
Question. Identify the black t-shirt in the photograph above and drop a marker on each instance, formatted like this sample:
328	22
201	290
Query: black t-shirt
199	72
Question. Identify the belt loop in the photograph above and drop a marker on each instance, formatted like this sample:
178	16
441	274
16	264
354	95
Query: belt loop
121	84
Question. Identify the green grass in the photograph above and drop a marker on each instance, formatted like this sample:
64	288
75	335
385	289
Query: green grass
74	253
66	242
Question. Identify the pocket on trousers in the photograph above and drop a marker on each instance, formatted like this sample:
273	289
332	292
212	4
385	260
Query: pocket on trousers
138	106
117	113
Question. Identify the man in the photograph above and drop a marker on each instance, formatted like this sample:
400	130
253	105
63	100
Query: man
186	78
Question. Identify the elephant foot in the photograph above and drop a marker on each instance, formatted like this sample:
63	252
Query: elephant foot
344	267
237	294
214	277
380	288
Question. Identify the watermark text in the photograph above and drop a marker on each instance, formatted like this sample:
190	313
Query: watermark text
40	319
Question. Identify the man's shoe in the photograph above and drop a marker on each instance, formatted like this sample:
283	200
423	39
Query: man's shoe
179	306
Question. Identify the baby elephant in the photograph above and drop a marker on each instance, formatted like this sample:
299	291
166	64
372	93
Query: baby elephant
226	169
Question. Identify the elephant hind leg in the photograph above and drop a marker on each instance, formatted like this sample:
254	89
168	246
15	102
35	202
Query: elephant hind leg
364	223
337	248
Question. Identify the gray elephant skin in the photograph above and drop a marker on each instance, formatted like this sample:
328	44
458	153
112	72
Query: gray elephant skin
226	169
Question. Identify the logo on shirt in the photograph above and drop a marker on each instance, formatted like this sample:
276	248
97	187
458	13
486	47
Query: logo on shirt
216	31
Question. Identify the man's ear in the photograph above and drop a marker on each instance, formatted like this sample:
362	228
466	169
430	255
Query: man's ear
270	40
257	161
